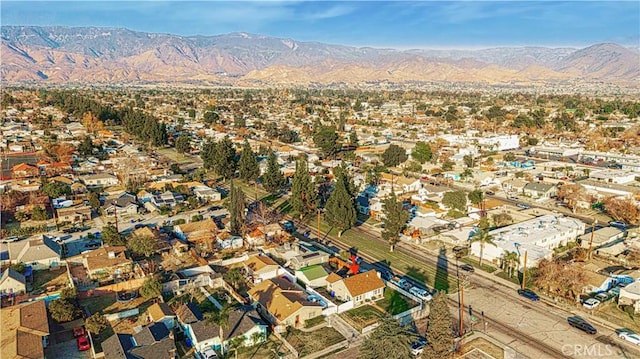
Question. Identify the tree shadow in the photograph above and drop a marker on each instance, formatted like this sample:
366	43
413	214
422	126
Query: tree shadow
442	271
417	274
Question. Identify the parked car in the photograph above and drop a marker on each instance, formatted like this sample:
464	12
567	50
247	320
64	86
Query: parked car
386	274
78	332
418	346
490	193
405	284
467	268
629	336
421	293
591	303
83	343
617	224
10	239
523	205
580	323
208	353
529	294
603	297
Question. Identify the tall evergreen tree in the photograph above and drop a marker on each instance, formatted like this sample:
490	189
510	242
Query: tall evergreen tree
326	138
208	153
394	221
389	340
183	143
439	329
340	210
248	164
304	196
236	207
224	162
342	175
273	179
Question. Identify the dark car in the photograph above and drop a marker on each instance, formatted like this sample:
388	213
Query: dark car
529	294
580	323
78	332
467	268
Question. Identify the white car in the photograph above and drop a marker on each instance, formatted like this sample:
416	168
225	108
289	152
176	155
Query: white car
591	303
421	293
208	353
631	337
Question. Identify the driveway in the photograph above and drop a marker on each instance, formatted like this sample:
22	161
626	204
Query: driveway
63	345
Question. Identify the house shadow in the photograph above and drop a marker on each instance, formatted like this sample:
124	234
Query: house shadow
442	271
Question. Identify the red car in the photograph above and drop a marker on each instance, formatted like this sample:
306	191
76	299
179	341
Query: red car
83	343
78	332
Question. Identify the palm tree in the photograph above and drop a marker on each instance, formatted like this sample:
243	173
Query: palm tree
234	277
257	337
221	319
482	236
510	259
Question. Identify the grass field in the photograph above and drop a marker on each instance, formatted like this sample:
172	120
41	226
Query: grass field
46	278
485	267
380	251
171	154
307	343
394	302
361	317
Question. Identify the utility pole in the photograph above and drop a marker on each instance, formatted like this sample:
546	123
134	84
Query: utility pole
115	212
524	270
318	224
461	324
593	226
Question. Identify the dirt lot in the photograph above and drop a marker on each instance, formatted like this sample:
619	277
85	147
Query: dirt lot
48	278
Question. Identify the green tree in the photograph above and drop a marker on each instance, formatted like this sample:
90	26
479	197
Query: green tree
248	164
69	293
422	152
236	206
39	214
304	196
225	161
340	210
353	138
456	200
394	220
483	237
56	189
142	245
183	143
220	319
469	161
394	155
211	117
273	179
509	157
111	236
94	200
62	310
439	330
86	146
476	196
234	277
389	340
151	288
96	323
326	139
447	165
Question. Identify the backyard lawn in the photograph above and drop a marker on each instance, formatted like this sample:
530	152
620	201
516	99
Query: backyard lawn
361	317
394	302
47	278
266	350
108	304
307	343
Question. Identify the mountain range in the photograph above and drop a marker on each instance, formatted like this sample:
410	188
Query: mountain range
32	54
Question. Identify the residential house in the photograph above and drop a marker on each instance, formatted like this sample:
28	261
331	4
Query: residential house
126	205
313	276
24	170
244	322
27	185
12	282
358	288
408	184
540	191
168	198
206	193
601	237
106	264
76	129
630	295
57	168
74	214
225	240
40	254
284	303
514	185
162	239
162	313
538	236
256	238
150	342
307	255
198	233
613	176
186	280
100	180
25	330
144	196
260	268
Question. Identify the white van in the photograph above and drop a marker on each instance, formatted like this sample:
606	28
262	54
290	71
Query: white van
421	293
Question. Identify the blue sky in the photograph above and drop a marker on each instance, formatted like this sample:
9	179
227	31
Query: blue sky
397	24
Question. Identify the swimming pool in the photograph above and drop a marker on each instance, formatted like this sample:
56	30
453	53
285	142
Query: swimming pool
46	298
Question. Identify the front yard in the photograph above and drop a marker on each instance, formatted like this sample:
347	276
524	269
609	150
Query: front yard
361	317
311	342
272	348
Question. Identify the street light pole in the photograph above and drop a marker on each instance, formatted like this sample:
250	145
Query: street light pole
593	226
